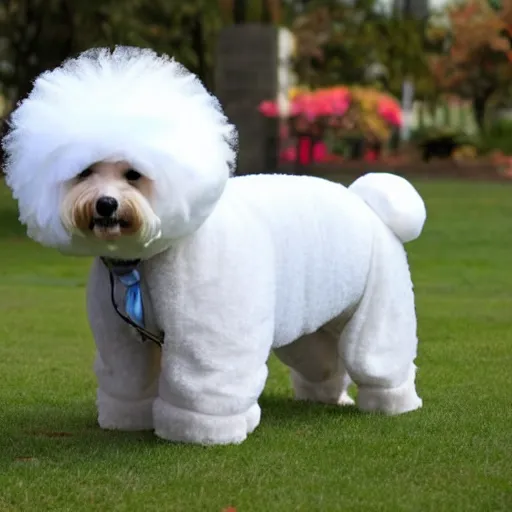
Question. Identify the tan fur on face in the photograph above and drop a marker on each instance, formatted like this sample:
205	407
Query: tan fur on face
106	179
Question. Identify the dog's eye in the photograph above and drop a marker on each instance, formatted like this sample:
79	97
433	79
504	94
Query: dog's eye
132	175
85	174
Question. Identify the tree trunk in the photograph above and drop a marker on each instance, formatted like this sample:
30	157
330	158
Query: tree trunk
239	12
199	48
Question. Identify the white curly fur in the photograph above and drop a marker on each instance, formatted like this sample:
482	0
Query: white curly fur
129	104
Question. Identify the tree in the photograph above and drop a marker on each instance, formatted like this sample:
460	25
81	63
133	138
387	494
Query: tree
473	60
400	47
34	37
38	34
340	42
185	30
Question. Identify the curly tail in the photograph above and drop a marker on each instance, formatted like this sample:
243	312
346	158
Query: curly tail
395	201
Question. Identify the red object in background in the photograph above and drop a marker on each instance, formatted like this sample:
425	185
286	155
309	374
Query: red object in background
268	108
304	146
288	154
390	111
334	101
370	155
320	103
331	105
320	151
318	154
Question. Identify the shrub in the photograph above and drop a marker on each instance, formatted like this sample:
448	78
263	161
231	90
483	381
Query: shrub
361	112
498	137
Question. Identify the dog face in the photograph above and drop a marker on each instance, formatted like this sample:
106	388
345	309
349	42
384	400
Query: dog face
110	201
100	168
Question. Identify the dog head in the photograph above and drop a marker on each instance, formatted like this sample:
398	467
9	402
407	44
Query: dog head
111	203
117	154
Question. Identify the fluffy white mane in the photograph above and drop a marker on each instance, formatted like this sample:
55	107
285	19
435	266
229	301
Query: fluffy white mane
129	104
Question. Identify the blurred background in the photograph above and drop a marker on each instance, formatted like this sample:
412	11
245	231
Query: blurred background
312	85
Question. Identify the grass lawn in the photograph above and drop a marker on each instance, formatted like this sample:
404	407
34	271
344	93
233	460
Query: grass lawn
455	454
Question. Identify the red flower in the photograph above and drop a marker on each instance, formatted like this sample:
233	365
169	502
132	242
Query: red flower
269	108
390	111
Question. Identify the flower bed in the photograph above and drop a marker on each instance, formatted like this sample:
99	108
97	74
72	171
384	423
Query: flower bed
316	121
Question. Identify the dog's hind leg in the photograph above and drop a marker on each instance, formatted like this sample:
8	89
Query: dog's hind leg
127	369
379	343
316	369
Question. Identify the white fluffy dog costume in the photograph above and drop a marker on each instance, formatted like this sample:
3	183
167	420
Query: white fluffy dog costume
230	268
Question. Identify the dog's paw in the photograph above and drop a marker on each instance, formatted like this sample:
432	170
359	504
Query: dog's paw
252	417
346	399
391	401
181	425
115	414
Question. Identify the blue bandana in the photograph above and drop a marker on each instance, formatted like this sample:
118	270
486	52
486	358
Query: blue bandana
133	296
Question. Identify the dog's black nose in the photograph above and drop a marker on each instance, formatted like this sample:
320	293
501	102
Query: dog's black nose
106	206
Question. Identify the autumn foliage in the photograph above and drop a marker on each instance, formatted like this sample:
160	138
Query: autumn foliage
475	57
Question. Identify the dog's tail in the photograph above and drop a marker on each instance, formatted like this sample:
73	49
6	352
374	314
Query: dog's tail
395	201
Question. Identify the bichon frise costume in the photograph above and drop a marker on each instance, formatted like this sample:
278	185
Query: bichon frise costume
125	156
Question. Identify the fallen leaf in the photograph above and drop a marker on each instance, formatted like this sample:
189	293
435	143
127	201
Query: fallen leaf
52	434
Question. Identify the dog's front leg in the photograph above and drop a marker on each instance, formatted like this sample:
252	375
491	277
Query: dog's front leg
126	369
211	379
214	298
219	328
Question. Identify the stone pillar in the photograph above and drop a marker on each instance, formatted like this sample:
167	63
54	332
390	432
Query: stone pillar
246	74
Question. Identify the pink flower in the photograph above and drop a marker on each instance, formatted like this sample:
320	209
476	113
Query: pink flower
340	100
269	108
390	111
288	154
305	104
320	152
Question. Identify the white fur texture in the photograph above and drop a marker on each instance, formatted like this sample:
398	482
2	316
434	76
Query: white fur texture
298	265
129	104
396	202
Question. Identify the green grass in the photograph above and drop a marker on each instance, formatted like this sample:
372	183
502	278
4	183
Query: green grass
453	455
